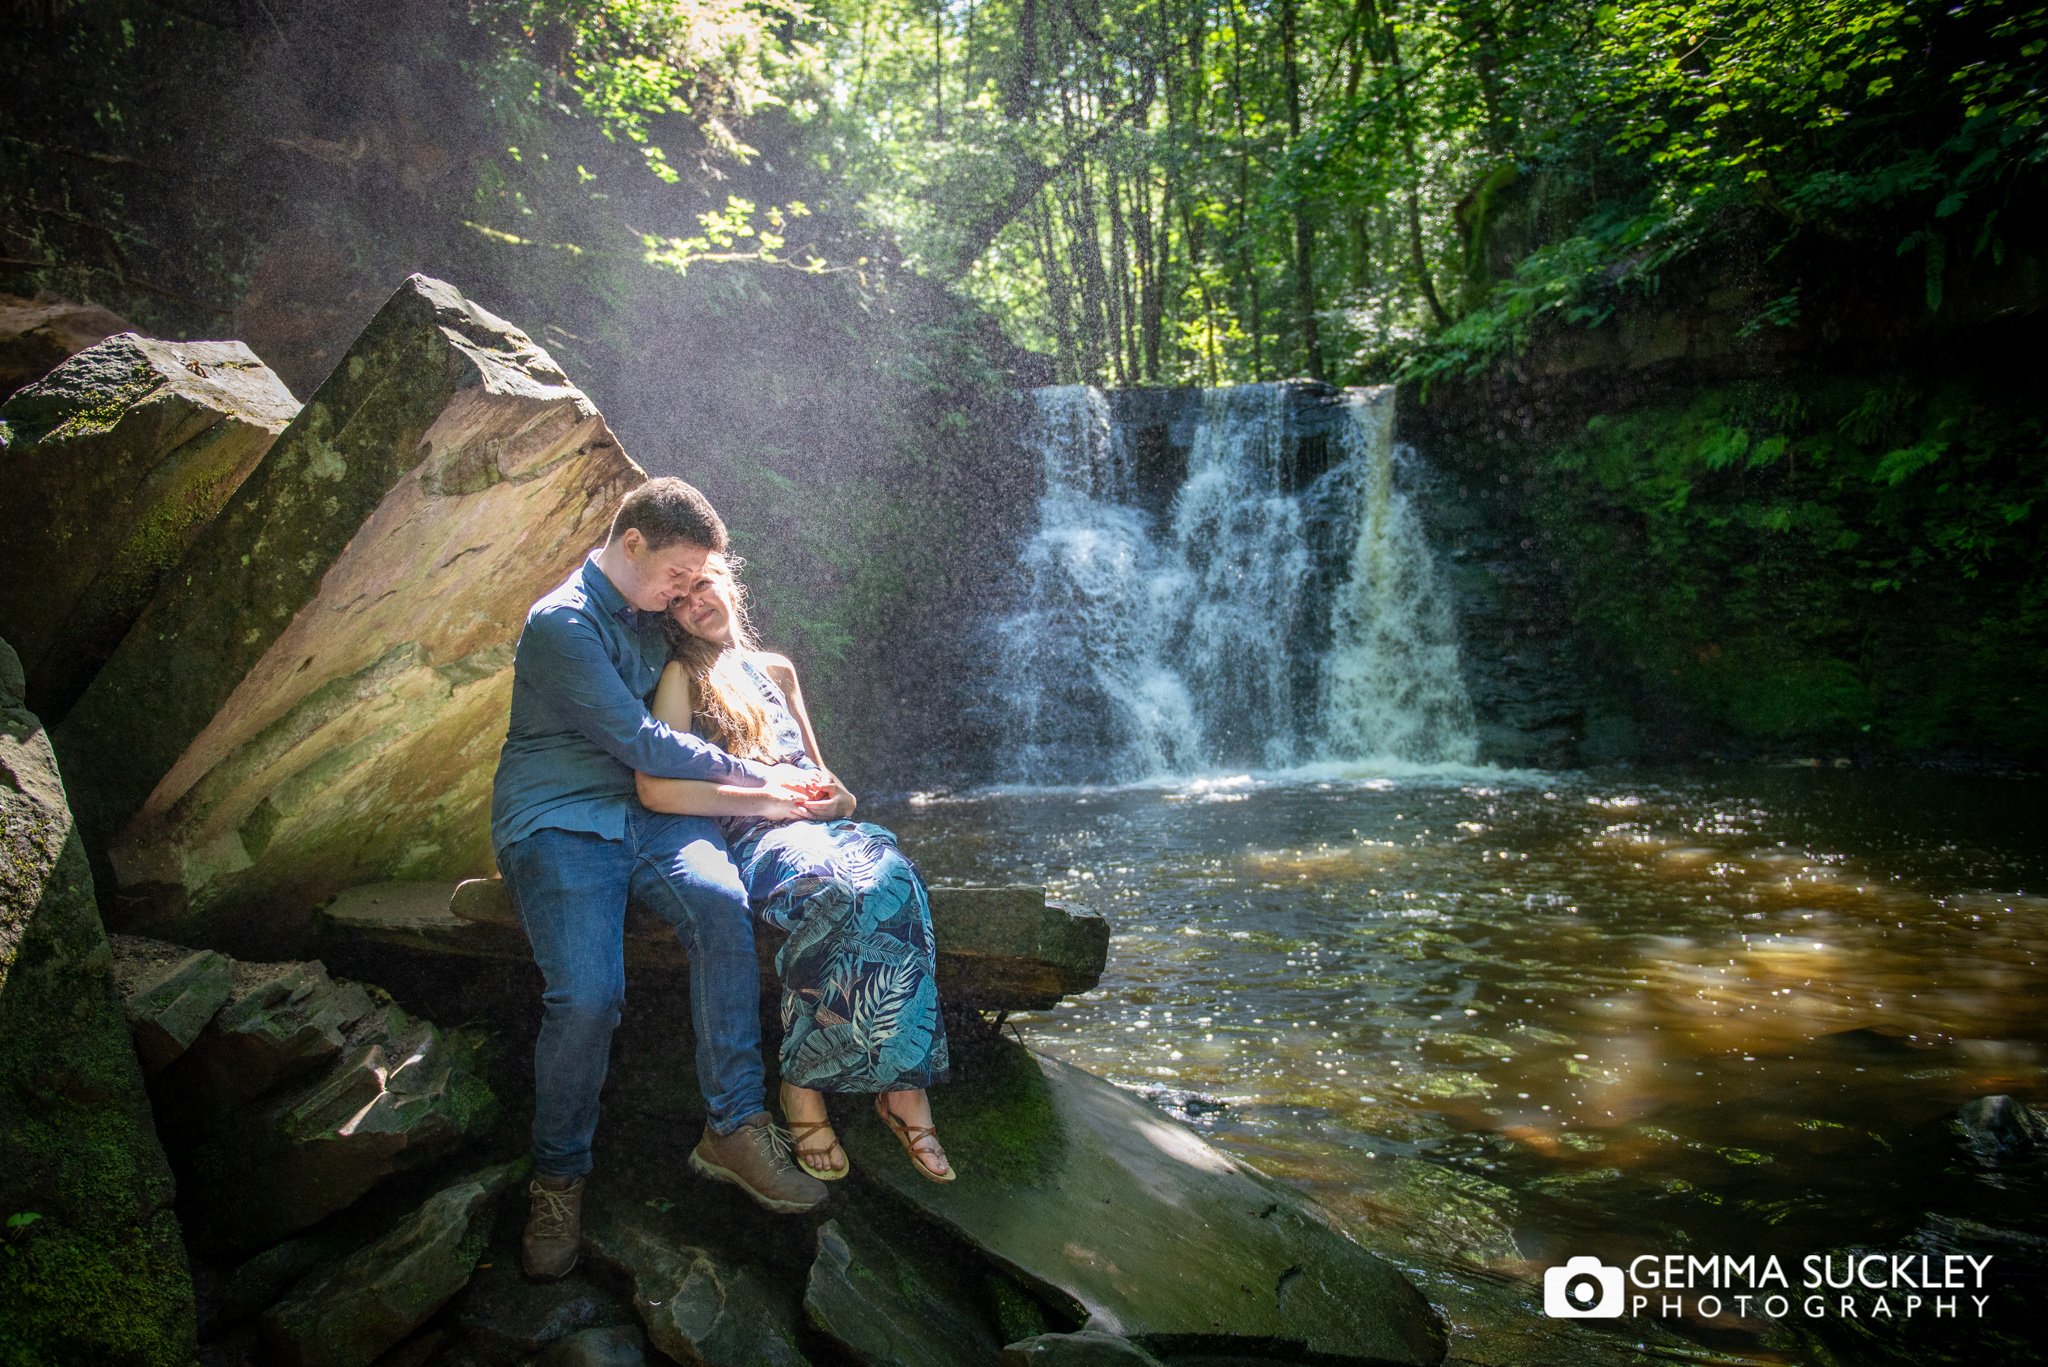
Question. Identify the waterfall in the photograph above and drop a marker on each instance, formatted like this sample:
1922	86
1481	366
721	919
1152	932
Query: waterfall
1280	609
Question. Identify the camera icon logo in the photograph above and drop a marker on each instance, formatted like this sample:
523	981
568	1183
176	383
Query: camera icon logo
1583	1289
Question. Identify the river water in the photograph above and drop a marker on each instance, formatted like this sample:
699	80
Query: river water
1515	1017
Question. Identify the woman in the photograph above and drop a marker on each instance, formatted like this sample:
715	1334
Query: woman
860	1006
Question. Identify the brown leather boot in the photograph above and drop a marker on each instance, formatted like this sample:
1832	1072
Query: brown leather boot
554	1227
755	1158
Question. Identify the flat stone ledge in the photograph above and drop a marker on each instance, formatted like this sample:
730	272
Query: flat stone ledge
1000	948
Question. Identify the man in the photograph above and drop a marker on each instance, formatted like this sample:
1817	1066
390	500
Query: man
574	844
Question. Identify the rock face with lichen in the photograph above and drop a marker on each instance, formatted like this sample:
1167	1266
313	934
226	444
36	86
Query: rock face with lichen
317	697
94	1270
36	335
116	461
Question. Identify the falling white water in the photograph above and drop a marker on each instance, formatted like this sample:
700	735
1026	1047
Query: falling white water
1144	647
1392	686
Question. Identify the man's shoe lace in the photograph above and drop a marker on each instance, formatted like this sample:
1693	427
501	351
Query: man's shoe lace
773	1141
553	1212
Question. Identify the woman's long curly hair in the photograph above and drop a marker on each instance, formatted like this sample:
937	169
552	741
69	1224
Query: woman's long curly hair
726	707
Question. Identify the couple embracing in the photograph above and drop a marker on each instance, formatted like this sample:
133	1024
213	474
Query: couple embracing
654	754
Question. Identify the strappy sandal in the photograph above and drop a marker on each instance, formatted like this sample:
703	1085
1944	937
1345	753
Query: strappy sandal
910	1136
812	1160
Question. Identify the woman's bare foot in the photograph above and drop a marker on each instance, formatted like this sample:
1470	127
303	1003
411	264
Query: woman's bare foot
813	1141
909	1115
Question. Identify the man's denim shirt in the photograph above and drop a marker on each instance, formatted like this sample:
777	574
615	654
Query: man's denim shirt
580	728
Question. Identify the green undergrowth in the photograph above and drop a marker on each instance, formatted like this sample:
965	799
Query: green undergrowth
1846	562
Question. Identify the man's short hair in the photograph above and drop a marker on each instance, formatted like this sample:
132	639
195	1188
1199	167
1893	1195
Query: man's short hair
667	510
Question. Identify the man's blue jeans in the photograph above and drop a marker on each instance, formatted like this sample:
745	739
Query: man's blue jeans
571	889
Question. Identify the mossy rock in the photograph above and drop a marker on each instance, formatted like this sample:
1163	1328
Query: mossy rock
92	1266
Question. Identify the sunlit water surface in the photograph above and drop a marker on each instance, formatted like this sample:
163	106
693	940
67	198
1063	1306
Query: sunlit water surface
1522	1016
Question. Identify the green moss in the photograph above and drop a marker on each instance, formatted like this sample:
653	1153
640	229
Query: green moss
70	1296
999	1121
1841	562
1016	1313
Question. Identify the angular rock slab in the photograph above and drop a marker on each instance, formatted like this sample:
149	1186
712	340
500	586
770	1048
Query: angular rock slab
1141	1227
169	1003
100	1276
889	1307
349	1313
698	1307
317	698
36	335
116	462
302	1095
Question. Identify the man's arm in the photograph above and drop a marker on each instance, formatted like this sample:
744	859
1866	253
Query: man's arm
561	658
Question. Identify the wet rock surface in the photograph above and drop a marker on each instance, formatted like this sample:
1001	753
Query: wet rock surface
2001	1130
280	725
1140	1227
348	1313
1086	1348
117	460
95	1270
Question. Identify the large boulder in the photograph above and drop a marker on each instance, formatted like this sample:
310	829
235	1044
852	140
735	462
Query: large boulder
36	335
1143	1230
348	1313
317	698
94	1268
116	462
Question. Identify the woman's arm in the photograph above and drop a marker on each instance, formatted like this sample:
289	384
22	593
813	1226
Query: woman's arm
783	672
672	706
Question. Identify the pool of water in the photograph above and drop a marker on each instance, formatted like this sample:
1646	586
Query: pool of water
1524	1016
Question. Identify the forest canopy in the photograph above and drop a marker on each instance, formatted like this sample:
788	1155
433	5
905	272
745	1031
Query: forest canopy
1206	191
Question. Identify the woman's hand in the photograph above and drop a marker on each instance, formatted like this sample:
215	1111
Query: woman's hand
786	801
833	801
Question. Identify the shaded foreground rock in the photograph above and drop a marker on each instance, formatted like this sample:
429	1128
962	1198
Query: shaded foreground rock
316	700
36	335
1088	1348
117	460
299	1095
349	1313
1001	948
619	1346
502	1316
92	1268
697	1305
1144	1230
887	1306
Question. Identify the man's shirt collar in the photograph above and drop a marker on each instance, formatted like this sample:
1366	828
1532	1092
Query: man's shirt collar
605	594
